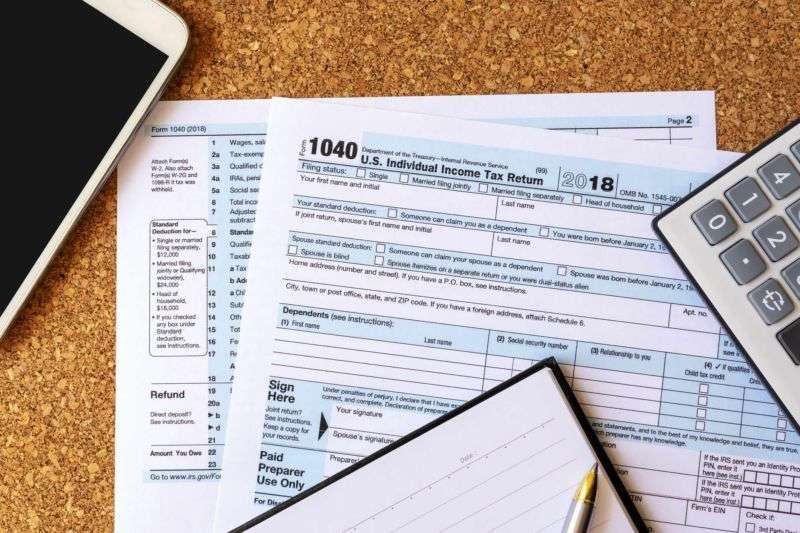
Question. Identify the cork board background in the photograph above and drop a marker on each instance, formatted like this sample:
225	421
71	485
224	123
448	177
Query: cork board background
57	364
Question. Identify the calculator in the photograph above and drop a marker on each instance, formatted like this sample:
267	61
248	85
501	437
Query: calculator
737	239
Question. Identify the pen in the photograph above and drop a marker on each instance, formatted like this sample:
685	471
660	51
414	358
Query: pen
580	510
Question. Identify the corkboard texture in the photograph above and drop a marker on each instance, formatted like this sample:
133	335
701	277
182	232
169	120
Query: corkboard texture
57	364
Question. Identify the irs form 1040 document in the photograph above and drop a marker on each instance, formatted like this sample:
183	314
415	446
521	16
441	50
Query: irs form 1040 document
188	189
406	263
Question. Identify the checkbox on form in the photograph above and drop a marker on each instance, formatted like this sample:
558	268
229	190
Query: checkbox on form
360	172
379	260
292	249
577	199
701	413
702	400
403	178
482	187
392	212
544	232
700	425
380	248
562	271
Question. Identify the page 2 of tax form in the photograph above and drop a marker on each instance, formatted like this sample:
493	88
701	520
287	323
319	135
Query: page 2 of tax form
407	263
188	190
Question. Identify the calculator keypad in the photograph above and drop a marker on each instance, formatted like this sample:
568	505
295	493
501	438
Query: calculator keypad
747	262
780	176
775	238
714	222
747	199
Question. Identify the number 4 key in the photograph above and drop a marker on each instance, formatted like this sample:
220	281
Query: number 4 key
780	176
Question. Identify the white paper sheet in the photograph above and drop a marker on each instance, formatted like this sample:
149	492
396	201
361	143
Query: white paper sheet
178	176
401	275
511	463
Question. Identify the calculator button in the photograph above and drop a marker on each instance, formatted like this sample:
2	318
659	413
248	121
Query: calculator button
792	276
780	176
714	222
747	199
789	337
771	301
796	150
775	238
794	213
743	262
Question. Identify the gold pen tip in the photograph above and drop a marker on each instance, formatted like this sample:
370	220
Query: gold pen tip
587	490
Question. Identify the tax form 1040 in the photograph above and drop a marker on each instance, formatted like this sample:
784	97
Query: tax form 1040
407	263
187	201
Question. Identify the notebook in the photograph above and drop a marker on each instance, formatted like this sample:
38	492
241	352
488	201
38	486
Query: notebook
508	460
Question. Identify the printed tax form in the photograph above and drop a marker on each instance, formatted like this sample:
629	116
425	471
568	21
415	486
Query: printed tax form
408	262
194	169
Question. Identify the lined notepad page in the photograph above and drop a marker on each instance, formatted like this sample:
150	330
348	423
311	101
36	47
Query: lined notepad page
511	463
